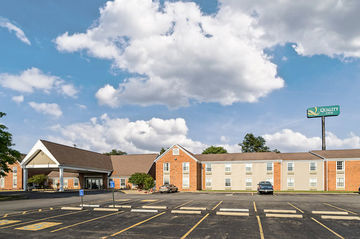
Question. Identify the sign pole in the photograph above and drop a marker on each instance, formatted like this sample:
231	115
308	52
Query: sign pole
113	198
323	132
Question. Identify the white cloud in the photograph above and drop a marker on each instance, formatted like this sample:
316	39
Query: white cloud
34	79
287	140
12	28
328	27
181	54
18	99
104	133
47	109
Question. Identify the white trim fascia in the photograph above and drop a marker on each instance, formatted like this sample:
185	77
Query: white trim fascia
242	161
342	159
180	147
39	146
85	169
42	166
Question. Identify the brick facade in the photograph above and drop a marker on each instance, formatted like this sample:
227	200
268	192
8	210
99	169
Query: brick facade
277	176
352	175
9	178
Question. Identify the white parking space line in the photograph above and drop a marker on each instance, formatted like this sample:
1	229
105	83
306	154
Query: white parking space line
246	214
193	208
233	210
330	212
122	200
72	208
106	209
144	210
185	212
155	207
120	206
279	211
283	215
340	217
89	205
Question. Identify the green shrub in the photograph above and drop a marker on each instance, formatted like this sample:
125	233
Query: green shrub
142	180
38	179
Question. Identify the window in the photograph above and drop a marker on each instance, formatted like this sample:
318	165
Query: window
227	182
14	177
248	182
340	182
2	182
339	165
208	167
76	182
208	182
248	167
122	183
269	167
313	182
166	179
185	181
290	166
176	151
290	182
227	167
66	183
185	167
270	180
312	166
166	167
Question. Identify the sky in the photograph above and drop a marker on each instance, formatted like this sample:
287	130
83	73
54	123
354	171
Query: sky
141	75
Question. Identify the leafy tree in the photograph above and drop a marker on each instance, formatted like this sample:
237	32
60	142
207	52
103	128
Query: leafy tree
116	152
162	150
38	179
254	144
215	150
142	180
8	155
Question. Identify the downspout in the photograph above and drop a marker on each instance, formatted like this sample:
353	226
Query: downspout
326	170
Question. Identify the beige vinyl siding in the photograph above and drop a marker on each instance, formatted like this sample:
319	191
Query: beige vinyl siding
302	175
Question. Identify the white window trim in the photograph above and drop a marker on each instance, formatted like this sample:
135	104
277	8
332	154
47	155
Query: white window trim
246	181
343	165
228	164
164	178
124	183
2	182
316	184
251	167
272	167
187	176
188	170
14	176
167	171
76	179
315	166
287	182
225	182
343	187
293	166
271	180
206	180
176	151
206	168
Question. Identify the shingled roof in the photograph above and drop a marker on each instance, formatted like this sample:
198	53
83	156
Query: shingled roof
126	165
238	156
340	153
75	157
298	156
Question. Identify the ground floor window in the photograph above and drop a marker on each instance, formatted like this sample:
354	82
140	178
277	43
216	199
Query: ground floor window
248	182
290	182
2	182
76	182
93	183
166	179
66	183
185	181
227	182
122	183
313	182
340	182
14	177
208	182
270	180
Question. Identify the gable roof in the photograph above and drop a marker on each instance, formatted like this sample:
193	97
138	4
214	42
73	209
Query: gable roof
191	155
238	156
340	153
75	157
126	165
299	156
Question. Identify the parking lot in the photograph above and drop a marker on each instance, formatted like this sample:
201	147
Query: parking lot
188	215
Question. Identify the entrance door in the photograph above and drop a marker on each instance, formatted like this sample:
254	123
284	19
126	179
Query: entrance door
93	183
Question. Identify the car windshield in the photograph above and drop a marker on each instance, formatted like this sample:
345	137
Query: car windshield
265	184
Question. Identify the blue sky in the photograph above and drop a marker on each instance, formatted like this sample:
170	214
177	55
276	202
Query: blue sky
195	74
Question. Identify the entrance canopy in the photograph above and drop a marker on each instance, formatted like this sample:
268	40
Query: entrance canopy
47	156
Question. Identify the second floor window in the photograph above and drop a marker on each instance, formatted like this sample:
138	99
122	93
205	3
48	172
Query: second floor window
339	165
208	167
227	167
248	167
312	166
290	166
186	167
166	167
269	167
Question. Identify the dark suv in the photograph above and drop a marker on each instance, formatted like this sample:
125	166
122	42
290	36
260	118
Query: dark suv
265	187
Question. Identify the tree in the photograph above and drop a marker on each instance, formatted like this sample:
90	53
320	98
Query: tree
8	155
215	150
116	152
142	180
38	179
162	150
254	144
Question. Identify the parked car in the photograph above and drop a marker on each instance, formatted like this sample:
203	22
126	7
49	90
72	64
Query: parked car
265	187
359	189
168	188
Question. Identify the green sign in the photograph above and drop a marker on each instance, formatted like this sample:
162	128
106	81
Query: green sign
320	111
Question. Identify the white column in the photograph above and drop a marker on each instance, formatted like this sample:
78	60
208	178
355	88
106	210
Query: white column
61	176
25	178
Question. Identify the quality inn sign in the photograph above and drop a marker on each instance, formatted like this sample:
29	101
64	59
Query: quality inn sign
320	111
